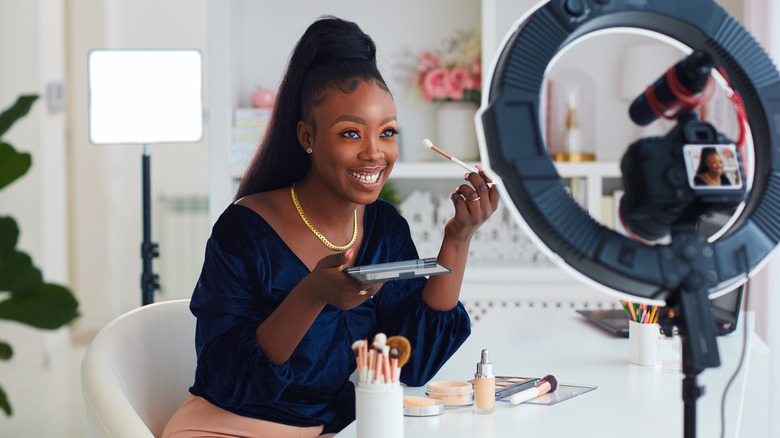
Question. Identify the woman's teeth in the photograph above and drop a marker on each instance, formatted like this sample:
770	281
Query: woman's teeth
367	178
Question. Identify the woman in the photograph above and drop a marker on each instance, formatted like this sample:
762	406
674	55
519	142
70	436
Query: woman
710	171
276	314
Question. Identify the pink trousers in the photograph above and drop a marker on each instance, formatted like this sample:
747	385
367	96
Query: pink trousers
197	418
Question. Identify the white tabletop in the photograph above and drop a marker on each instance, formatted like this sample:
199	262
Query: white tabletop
630	400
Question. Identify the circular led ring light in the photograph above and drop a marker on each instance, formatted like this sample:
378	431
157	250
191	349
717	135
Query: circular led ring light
513	145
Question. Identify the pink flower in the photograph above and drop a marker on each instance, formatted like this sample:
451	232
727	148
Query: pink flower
451	72
434	84
456	81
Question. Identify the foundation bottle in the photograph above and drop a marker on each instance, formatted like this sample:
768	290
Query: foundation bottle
484	386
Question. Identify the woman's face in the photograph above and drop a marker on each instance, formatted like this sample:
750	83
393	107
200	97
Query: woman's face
714	164
354	144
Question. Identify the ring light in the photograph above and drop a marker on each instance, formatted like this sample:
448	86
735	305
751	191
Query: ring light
684	273
513	145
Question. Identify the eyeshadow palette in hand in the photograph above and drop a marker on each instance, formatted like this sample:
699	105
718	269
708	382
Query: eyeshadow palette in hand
396	270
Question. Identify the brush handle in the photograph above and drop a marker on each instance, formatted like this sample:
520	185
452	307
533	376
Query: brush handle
464	165
524	396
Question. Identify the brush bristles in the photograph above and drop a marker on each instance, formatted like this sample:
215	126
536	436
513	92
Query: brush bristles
427	143
552	381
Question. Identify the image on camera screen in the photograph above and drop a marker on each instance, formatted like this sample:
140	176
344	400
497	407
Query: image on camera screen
712	166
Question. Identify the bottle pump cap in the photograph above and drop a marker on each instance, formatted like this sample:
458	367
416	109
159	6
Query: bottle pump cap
484	368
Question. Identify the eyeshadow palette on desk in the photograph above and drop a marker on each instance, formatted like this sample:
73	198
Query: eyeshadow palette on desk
564	392
507	385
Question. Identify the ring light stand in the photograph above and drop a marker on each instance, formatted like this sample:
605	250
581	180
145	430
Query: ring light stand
682	273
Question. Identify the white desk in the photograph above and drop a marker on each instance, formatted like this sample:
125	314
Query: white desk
629	401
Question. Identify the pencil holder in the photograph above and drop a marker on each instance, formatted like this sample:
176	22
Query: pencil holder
643	343
379	410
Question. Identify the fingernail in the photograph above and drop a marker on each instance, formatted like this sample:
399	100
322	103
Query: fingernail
349	252
466	176
478	167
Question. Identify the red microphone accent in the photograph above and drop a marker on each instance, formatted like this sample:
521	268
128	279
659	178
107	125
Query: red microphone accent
684	99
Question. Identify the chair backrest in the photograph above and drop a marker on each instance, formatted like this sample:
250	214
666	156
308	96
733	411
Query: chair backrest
137	370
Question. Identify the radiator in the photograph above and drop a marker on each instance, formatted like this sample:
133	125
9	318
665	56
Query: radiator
183	228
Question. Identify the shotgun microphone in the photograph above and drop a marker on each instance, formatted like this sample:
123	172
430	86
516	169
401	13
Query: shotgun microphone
675	91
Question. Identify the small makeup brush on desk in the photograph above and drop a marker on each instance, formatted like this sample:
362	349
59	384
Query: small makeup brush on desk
548	384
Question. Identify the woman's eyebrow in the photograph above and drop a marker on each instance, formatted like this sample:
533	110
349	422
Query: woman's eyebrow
360	120
348	118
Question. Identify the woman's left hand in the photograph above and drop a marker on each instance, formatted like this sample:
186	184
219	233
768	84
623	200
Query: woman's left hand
474	204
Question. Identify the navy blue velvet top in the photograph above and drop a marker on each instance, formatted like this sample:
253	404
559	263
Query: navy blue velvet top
248	271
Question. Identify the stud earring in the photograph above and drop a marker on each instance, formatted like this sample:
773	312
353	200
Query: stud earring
309	150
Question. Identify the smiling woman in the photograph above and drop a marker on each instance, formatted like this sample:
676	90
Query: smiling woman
277	316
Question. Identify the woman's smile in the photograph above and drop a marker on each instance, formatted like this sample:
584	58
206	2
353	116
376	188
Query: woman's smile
365	177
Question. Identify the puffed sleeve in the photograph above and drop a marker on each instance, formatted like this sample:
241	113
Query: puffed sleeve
434	335
233	371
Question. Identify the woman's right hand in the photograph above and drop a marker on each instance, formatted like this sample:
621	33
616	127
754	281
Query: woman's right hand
328	284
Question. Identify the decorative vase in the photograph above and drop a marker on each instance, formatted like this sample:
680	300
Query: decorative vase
455	130
571	116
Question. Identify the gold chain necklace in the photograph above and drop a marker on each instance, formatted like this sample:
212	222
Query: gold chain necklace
322	238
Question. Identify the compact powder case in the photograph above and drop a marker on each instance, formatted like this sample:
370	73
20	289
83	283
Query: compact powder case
422	406
452	393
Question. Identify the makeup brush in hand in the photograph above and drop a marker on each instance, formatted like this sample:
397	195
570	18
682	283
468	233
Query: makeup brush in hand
429	144
548	384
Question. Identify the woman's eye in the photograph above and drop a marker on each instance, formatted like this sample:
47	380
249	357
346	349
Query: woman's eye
351	134
389	133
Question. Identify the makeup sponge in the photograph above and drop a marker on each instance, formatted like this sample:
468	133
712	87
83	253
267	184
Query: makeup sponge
403	346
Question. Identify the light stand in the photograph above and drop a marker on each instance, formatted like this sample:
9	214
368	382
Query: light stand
145	97
149	250
693	318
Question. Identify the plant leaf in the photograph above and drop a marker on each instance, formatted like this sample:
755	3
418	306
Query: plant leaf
49	307
12	164
4	403
18	110
6	352
9	234
18	275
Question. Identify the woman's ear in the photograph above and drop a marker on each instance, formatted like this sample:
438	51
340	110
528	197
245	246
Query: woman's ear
305	136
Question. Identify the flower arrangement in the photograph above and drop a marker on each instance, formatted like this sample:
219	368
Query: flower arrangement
452	71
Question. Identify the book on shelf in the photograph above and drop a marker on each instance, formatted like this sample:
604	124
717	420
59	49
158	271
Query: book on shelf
251	117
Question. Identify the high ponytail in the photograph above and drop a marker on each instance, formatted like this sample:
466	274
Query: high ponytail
331	55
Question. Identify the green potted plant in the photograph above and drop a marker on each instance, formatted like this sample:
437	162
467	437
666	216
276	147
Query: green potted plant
26	298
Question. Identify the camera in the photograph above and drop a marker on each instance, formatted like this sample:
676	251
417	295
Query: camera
660	178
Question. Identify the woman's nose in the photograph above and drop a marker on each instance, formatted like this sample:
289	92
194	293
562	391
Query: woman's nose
371	151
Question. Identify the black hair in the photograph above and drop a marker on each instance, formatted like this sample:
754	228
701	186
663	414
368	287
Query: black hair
333	54
705	153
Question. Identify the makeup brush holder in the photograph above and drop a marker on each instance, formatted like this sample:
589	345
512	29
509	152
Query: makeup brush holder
643	343
379	410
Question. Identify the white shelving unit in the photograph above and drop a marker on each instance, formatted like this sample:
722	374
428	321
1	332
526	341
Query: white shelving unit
592	173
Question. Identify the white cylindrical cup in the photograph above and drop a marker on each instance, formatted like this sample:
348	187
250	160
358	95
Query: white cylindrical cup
643	343
379	410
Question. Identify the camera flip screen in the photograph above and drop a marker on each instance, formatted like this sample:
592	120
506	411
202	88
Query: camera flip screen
712	166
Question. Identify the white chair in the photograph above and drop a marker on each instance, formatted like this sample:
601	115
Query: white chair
137	370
